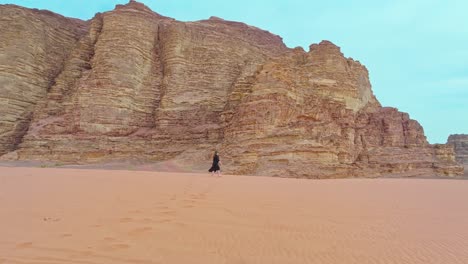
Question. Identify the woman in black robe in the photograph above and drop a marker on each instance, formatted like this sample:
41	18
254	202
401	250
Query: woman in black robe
215	167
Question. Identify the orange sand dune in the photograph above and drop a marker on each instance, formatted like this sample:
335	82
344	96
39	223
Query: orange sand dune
91	216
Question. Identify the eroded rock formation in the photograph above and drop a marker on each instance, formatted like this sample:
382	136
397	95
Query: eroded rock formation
131	83
34	46
460	143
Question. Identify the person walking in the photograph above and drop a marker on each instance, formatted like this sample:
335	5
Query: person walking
215	167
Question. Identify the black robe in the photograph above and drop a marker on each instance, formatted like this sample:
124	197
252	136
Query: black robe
215	167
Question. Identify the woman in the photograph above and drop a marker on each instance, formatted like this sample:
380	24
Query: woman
215	167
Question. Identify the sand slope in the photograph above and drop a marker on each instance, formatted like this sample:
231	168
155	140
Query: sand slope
87	217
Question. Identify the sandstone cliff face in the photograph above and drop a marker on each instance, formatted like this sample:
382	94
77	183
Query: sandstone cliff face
133	84
460	144
314	115
34	46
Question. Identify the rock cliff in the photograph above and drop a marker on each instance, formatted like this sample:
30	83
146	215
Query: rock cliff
132	84
34	47
460	144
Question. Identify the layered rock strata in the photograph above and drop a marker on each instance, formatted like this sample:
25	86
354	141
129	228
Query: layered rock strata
34	46
460	144
132	84
320	108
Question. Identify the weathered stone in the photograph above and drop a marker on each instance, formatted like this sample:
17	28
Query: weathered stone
34	46
460	145
132	84
314	115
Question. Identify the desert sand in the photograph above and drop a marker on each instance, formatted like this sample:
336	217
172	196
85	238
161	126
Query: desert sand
98	216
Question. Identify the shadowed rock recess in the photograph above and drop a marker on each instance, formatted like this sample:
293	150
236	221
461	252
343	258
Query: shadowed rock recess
132	84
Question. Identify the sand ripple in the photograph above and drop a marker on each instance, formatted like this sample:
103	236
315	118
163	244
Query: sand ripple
51	216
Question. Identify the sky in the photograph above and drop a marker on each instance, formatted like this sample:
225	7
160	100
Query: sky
416	51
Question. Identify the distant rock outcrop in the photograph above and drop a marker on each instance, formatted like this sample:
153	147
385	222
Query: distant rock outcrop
131	83
460	143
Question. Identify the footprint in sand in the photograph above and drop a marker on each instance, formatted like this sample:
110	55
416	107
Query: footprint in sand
180	224
86	253
188	188
198	196
125	220
24	245
50	219
116	247
191	201
161	207
168	212
164	221
147	220
140	231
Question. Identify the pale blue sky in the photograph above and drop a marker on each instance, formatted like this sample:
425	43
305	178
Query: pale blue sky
416	50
